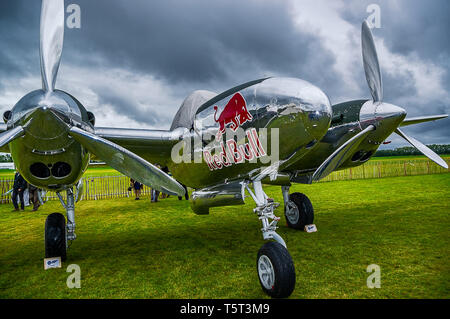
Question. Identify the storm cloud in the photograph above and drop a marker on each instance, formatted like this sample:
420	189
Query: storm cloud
133	62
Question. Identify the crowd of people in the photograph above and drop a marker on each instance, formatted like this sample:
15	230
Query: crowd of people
19	187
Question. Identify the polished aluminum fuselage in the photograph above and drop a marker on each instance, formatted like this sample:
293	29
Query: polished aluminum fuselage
289	115
290	111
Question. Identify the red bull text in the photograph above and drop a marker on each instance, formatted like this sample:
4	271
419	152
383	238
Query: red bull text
232	153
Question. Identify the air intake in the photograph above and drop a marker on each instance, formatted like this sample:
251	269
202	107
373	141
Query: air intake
39	170
61	169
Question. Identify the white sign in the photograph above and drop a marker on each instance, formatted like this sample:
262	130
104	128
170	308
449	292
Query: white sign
310	228
54	262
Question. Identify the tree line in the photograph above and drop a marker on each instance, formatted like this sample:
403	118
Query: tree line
408	150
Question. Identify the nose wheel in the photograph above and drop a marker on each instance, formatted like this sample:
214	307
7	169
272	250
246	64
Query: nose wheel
276	270
57	232
55	236
274	264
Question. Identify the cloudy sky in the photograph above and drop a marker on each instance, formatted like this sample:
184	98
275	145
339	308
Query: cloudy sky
133	62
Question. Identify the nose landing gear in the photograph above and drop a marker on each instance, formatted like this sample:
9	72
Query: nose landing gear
57	233
274	264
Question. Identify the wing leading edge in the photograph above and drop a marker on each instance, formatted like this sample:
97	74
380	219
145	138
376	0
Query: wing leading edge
155	146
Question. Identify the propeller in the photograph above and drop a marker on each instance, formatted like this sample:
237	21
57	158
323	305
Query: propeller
51	41
373	77
126	162
376	111
371	65
422	148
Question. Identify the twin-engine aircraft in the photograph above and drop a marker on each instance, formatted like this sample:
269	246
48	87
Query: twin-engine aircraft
269	131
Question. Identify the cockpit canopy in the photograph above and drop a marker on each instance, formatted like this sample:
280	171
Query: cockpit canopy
186	113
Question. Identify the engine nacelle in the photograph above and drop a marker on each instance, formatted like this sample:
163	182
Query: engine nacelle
46	155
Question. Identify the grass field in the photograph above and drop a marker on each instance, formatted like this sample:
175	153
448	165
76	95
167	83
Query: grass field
137	249
413	157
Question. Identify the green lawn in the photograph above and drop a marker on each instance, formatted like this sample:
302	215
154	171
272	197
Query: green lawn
138	249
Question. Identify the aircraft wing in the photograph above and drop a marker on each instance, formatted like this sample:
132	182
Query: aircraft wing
155	146
421	119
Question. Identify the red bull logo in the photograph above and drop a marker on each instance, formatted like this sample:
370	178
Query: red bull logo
234	113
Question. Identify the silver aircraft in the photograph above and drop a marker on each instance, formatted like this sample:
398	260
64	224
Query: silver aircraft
221	145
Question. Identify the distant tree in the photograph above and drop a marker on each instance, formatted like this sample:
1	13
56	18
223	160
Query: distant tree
408	150
5	158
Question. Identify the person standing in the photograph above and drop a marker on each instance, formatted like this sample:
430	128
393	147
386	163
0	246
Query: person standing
165	169
34	196
18	188
155	195
137	188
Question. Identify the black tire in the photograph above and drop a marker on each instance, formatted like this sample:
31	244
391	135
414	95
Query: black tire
305	211
55	236
283	283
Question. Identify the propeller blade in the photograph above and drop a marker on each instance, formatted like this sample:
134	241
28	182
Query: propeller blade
421	119
51	41
10	135
371	65
341	154
423	149
127	162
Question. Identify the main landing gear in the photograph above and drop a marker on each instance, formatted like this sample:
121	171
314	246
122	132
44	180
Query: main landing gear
298	209
57	233
275	267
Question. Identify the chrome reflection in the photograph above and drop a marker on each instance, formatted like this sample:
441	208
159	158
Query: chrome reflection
227	194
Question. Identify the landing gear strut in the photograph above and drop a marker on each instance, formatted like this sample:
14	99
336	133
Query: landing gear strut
275	267
57	233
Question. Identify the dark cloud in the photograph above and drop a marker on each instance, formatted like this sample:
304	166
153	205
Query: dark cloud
213	45
408	26
19	38
198	41
119	102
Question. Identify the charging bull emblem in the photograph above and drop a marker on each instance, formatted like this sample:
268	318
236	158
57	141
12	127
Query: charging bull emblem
235	112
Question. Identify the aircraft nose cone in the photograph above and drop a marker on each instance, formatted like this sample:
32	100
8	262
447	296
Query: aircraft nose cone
389	110
42	122
377	111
